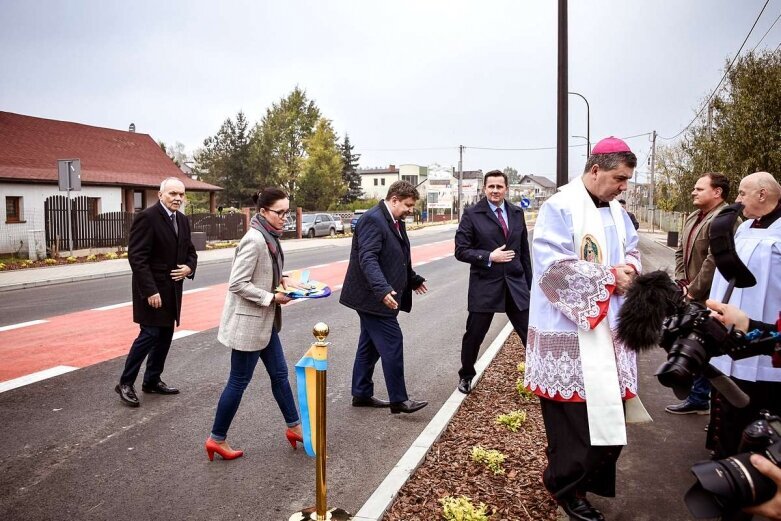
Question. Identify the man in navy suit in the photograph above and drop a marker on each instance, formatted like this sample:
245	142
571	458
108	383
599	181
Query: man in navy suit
379	282
492	238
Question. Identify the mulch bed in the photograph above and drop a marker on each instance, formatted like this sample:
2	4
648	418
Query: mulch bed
448	469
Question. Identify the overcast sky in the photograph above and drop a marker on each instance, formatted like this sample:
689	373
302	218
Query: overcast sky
409	81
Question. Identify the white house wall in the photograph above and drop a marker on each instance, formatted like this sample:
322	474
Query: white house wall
13	236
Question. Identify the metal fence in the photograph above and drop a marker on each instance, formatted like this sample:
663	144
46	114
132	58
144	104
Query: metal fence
91	230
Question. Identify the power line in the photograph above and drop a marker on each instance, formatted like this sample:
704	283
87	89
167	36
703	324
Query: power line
768	30
407	149
737	54
532	149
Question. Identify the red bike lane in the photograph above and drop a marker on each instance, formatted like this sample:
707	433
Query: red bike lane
88	337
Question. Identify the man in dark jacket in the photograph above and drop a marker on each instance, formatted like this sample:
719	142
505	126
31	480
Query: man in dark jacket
492	238
161	255
379	282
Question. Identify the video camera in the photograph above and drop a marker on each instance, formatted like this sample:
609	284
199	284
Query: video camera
655	312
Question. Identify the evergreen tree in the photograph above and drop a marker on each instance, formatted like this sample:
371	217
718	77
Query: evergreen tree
350	176
225	161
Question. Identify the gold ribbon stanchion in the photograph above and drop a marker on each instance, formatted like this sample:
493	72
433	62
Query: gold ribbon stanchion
316	359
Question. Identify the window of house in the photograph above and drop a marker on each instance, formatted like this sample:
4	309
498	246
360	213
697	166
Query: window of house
139	202
93	207
376	181
383	181
13	209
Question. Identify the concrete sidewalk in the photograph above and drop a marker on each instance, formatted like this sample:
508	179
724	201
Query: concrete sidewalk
33	277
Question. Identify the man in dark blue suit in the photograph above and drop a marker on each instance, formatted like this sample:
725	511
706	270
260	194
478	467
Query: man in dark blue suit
492	238
379	282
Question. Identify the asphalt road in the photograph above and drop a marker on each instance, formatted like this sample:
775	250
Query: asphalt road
72	451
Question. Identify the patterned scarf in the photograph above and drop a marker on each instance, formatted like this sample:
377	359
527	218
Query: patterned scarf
271	235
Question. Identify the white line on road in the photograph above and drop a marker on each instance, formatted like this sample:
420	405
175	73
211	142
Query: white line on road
22	324
35	377
183	333
196	290
112	306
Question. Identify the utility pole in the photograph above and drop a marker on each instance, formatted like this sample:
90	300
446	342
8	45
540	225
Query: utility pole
460	181
653	184
562	167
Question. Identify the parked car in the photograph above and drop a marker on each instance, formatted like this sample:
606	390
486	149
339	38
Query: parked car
317	225
339	224
356	215
290	224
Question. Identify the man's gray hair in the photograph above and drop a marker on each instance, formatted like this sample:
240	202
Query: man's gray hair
168	180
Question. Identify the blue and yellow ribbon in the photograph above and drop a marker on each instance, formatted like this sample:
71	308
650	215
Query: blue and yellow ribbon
315	359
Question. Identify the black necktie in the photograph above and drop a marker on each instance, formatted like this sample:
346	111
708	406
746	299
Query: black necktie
173	221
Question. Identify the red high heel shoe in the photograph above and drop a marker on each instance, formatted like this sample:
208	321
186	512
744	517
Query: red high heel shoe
292	437
224	451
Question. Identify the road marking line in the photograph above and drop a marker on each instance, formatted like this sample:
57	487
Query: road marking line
183	333
22	324
112	306
35	377
196	290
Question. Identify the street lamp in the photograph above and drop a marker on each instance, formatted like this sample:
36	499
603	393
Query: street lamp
584	137
588	122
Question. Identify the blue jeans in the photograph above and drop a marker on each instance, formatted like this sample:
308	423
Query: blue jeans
699	395
242	366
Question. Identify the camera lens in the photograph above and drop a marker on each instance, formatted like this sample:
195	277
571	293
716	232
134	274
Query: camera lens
685	359
725	485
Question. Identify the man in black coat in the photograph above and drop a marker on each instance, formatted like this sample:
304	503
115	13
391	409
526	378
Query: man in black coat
379	282
161	255
492	238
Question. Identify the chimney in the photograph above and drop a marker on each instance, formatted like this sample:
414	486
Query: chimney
391	167
132	127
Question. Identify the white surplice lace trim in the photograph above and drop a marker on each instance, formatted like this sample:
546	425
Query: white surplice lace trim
553	365
576	287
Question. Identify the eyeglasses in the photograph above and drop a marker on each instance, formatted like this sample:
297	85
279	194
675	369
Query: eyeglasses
280	213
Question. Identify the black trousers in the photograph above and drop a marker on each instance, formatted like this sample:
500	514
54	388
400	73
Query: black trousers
727	421
155	342
477	325
574	465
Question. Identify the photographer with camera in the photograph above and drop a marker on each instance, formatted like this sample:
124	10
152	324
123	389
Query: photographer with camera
758	245
694	268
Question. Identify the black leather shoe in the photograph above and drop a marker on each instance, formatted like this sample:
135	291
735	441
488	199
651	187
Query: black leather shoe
127	394
361	401
465	385
579	509
407	407
159	388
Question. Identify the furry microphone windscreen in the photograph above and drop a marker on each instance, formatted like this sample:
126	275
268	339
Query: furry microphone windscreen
649	300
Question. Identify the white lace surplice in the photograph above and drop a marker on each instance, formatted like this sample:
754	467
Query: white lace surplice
564	296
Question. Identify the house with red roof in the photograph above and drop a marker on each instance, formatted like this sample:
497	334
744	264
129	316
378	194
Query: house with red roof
121	171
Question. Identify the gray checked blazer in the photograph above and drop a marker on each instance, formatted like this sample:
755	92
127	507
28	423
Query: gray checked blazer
250	311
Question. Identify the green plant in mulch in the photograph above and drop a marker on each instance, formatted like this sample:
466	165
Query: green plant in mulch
111	255
91	258
26	263
461	509
50	262
521	367
493	459
523	392
513	420
123	255
220	245
71	259
2	266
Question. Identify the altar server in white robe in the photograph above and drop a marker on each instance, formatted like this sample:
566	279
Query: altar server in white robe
585	256
758	244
